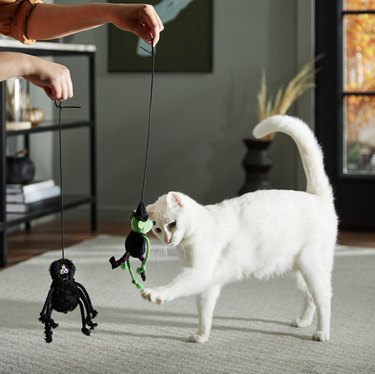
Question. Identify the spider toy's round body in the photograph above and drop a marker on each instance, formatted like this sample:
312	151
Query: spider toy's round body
65	298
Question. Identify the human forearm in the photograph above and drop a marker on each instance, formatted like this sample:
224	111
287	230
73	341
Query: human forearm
53	78
13	64
48	21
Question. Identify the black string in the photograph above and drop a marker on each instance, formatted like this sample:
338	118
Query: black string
149	117
60	107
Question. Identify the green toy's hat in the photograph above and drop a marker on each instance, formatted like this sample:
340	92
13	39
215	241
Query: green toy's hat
141	213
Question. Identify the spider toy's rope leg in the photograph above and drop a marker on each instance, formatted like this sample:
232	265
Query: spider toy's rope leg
42	314
87	304
134	281
91	309
45	317
85	330
142	269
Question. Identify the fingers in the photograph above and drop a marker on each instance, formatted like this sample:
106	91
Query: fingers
152	25
140	19
61	85
54	79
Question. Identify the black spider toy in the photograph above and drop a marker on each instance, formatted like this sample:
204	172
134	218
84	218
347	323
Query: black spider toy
64	296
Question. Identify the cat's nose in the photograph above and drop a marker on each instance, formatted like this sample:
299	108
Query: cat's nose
167	240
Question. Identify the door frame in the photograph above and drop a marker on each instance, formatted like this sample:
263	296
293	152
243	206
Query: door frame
354	205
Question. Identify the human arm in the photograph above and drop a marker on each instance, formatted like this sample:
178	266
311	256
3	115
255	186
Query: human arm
52	77
29	20
49	21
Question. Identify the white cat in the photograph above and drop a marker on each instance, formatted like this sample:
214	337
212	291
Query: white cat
261	234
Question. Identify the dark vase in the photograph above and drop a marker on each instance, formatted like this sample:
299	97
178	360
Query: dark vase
257	164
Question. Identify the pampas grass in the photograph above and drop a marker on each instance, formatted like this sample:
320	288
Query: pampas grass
299	84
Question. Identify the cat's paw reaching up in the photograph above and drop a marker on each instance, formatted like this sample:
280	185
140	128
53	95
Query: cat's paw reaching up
153	295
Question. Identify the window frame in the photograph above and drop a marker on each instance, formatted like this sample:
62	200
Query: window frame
343	94
353	194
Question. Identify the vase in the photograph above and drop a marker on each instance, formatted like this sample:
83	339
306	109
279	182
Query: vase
257	165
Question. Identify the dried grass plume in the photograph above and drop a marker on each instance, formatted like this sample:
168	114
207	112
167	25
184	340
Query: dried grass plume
299	84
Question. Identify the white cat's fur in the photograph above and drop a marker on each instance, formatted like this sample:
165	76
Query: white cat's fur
261	234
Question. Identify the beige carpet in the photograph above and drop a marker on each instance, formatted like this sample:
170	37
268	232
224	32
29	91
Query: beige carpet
251	332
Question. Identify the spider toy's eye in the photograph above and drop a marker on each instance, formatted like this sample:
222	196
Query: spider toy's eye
172	225
64	271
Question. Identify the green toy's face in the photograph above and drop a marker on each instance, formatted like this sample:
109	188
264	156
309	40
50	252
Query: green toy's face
140	226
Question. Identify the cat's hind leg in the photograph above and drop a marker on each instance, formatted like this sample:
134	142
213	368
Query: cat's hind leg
308	309
318	280
206	302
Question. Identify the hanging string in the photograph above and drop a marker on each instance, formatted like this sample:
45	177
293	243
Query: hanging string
153	52
59	106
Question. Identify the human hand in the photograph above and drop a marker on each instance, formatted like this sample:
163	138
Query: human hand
140	19
52	77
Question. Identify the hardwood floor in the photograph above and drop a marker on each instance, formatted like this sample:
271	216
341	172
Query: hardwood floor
25	244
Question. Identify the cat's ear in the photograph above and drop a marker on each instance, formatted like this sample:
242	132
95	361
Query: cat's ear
175	199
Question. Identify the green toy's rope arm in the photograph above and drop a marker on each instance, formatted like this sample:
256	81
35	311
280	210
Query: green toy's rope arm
142	268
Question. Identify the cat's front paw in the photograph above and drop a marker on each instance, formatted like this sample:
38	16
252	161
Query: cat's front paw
198	338
321	336
153	295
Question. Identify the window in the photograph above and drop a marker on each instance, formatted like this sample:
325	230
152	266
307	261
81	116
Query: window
358	88
345	105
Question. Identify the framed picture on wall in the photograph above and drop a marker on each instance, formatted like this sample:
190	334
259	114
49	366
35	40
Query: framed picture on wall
185	44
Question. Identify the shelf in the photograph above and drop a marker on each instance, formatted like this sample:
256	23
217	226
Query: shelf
50	208
47	48
49	126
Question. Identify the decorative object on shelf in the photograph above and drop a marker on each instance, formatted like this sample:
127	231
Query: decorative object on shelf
65	293
137	244
20	169
257	162
35	116
17	101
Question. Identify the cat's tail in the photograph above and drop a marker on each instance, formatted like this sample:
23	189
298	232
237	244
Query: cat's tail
311	153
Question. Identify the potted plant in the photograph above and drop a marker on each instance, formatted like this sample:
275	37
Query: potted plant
257	162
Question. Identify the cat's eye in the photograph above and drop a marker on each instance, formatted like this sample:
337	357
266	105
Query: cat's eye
172	225
158	230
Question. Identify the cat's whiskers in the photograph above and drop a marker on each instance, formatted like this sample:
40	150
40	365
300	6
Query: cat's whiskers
162	253
183	253
166	252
